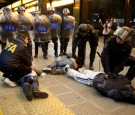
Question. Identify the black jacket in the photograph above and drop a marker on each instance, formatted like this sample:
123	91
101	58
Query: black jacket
14	54
119	88
81	39
114	56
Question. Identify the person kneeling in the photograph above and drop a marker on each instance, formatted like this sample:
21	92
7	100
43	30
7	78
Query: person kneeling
16	62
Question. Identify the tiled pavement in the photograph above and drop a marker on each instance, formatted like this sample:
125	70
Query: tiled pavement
66	96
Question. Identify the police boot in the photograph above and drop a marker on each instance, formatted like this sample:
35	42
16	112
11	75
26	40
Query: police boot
65	49
91	66
35	56
61	50
56	49
131	73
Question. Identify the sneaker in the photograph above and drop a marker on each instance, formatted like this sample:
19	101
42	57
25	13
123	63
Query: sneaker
9	82
47	70
66	68
39	94
42	74
28	91
57	72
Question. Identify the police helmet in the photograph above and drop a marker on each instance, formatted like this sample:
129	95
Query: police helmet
20	8
124	33
83	28
5	9
36	13
51	8
66	11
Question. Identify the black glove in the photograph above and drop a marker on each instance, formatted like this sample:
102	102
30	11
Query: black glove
111	75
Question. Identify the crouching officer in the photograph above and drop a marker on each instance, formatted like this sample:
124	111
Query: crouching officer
84	33
116	53
16	64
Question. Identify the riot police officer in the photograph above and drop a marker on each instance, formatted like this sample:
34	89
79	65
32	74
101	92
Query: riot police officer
9	23
41	30
84	33
67	30
55	27
117	53
25	25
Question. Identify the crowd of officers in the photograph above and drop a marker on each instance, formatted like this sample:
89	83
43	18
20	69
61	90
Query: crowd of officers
45	28
52	27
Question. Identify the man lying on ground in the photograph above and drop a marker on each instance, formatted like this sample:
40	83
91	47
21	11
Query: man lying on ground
56	68
118	88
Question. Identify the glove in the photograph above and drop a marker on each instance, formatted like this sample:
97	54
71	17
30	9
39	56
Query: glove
111	75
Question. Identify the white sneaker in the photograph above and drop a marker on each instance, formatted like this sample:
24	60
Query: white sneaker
66	68
9	82
43	74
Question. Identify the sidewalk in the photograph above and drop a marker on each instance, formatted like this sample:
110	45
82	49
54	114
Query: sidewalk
66	96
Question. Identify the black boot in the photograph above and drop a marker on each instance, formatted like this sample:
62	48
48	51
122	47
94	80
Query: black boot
131	73
35	56
39	94
91	66
56	48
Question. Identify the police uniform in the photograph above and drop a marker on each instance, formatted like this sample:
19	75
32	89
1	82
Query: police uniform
15	60
41	30
55	28
115	55
9	23
25	25
84	33
67	30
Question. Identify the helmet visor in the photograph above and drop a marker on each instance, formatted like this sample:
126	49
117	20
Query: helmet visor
122	33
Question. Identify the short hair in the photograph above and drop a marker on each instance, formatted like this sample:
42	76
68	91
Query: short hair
22	36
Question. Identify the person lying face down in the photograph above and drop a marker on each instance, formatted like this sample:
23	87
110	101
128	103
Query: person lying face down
58	66
118	88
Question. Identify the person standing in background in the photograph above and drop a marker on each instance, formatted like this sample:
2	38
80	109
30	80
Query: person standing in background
106	30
